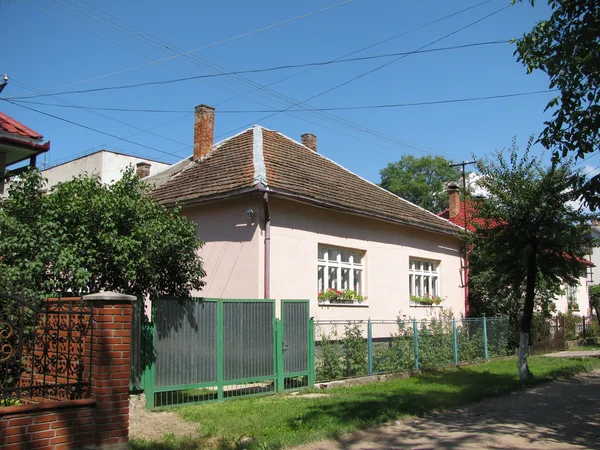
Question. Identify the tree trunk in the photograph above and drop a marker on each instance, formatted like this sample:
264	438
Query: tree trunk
524	373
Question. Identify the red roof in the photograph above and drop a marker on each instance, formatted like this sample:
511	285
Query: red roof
468	207
10	125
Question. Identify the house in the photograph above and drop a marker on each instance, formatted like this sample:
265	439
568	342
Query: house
464	215
594	254
282	221
105	164
18	143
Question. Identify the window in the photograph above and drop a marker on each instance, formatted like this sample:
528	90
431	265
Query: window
572	297
423	280
340	270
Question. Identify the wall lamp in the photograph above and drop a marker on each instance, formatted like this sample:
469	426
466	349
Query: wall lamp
250	213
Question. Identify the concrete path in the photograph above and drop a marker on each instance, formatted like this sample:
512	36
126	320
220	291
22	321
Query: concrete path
557	415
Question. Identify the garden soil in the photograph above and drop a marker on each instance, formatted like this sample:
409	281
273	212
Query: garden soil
558	415
153	426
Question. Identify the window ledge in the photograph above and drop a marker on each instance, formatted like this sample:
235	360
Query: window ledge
417	305
351	305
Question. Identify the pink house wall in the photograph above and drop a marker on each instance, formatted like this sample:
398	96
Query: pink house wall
233	256
297	230
233	249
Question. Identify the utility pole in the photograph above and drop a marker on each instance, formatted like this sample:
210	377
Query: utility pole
464	208
4	82
464	187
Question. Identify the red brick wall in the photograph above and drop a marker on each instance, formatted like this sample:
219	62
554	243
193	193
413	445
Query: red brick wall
111	343
57	425
101	420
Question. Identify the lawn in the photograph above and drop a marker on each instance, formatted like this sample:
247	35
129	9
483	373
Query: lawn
284	420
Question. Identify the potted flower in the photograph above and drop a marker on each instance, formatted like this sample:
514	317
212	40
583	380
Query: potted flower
346	296
426	300
573	305
330	295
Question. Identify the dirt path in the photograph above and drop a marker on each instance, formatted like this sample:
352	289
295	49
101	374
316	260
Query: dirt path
557	415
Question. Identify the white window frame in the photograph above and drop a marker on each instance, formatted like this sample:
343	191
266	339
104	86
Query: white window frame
338	265
425	272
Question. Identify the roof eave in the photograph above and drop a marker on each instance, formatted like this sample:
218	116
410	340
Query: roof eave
195	201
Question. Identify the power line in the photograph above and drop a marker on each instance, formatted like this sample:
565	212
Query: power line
356	128
384	65
340	108
91	129
262	70
197	49
68	104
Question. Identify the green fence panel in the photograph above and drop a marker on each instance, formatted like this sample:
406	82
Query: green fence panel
297	343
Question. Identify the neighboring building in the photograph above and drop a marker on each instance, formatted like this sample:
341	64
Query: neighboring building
106	164
282	221
464	215
594	275
18	143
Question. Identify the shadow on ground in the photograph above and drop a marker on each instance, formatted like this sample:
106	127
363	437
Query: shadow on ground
555	415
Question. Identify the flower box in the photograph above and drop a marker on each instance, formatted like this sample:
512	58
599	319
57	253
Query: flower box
426	300
335	297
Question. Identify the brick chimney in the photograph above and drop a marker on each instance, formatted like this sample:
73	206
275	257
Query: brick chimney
142	169
310	140
454	197
204	131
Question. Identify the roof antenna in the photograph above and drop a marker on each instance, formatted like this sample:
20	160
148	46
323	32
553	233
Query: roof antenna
4	82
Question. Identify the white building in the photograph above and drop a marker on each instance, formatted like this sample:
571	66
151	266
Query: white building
106	164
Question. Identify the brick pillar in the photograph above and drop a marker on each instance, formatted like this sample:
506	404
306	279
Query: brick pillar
110	370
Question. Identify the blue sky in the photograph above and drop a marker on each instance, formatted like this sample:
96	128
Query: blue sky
54	43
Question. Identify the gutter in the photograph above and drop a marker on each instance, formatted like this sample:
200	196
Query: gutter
267	270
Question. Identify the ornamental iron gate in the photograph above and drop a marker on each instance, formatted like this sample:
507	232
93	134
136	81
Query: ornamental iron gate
45	350
218	349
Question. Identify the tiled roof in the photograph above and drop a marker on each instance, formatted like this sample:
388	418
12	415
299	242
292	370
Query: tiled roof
468	207
282	166
10	125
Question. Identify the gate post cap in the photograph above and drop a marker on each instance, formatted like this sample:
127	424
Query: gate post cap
110	296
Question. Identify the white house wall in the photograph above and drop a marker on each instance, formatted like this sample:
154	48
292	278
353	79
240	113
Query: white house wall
105	164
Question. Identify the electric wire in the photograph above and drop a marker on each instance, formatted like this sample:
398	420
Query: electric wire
341	122
337	108
197	49
381	66
262	70
91	129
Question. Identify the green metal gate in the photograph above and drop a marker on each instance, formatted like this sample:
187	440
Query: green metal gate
218	349
296	332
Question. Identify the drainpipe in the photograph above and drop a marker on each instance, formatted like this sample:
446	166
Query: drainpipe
267	246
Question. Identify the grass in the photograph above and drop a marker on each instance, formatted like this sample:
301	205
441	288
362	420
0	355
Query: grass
280	421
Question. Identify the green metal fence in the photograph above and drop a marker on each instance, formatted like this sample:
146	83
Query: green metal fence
218	349
358	348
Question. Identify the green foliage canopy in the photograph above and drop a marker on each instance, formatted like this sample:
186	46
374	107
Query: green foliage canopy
83	237
531	236
421	181
567	48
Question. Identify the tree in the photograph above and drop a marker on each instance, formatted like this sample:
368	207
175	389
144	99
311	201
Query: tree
532	238
421	181
83	237
567	48
595	300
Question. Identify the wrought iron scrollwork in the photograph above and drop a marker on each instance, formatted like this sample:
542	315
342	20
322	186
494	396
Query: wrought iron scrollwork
45	351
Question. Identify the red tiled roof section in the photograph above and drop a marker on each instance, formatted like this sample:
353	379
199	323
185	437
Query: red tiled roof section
228	168
471	216
293	168
10	125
